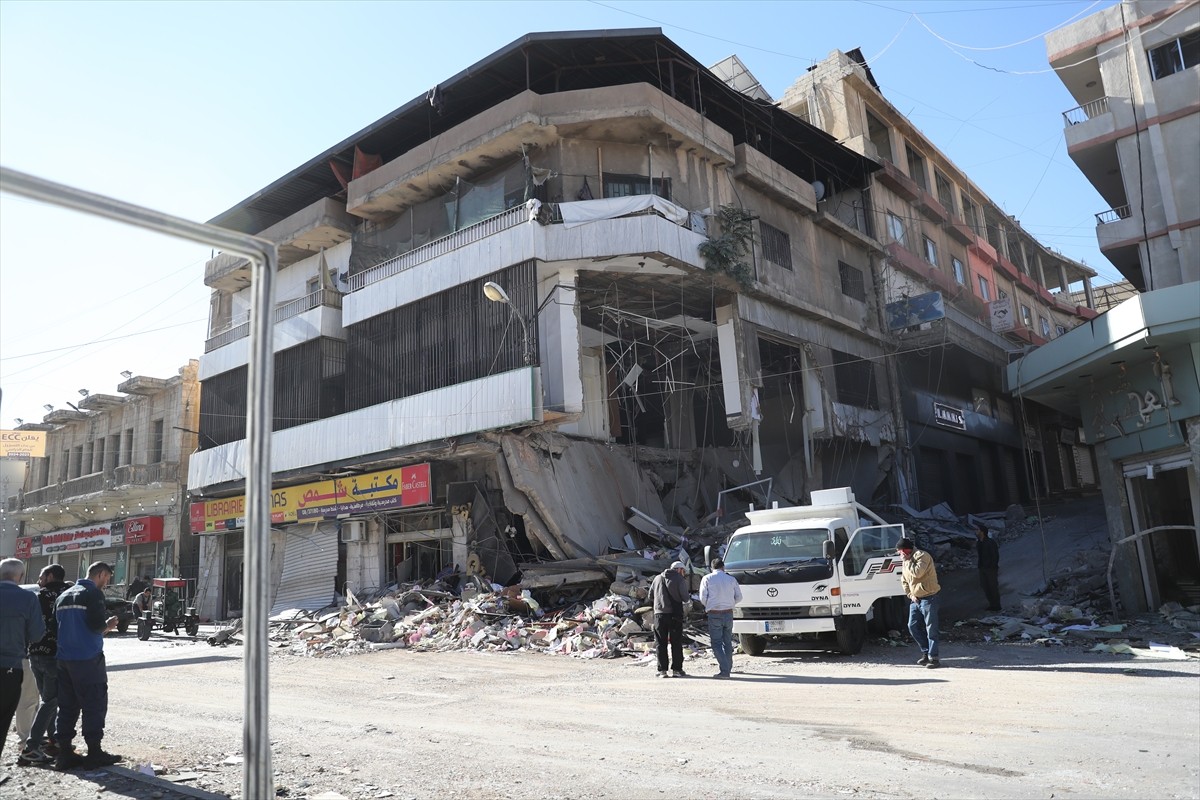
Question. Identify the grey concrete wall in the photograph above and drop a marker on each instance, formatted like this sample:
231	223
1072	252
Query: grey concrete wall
1126	570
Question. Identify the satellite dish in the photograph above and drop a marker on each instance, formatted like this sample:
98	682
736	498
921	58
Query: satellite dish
819	189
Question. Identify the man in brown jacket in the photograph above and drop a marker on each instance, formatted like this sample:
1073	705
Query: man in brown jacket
919	579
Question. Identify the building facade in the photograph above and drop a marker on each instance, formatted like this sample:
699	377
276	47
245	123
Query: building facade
112	485
518	306
1132	376
967	289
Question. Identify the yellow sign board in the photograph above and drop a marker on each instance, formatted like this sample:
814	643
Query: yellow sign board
22	444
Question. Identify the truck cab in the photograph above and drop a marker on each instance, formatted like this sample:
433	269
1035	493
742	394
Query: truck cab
816	573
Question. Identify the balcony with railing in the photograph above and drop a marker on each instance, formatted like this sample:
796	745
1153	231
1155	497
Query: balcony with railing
641	227
1117	228
297	321
109	485
1089	121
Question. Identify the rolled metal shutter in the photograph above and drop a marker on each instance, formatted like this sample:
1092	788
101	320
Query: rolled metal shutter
309	568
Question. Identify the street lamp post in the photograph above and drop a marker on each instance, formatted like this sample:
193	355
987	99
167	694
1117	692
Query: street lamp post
495	292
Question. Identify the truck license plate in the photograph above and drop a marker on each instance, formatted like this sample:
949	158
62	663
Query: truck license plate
775	627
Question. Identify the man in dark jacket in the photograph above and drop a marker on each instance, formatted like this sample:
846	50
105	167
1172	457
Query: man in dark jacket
43	661
989	566
670	596
20	624
82	679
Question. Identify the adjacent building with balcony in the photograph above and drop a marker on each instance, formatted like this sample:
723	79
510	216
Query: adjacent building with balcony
1132	69
967	289
112	485
1132	376
498	330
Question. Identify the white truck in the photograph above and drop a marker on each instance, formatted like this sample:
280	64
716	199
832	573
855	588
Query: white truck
816	572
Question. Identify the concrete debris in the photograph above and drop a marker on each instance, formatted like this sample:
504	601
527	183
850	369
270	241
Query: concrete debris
951	538
1185	619
494	619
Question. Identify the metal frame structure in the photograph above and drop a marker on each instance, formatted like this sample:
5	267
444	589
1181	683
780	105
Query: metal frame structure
257	776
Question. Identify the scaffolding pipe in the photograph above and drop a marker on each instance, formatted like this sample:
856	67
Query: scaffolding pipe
257	777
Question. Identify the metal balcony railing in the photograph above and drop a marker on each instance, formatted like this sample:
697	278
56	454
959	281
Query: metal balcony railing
240	329
1086	111
439	247
1113	215
109	479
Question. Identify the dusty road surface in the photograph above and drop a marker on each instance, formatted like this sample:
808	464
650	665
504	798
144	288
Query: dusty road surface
1002	720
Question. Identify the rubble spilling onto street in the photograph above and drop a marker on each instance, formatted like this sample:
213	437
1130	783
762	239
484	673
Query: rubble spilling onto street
950	538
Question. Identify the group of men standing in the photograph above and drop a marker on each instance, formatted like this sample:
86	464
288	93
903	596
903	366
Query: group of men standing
719	593
60	629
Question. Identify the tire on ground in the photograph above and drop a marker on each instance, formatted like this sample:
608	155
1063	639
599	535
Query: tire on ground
852	634
752	644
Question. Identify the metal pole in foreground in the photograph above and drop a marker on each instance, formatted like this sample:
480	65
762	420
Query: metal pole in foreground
257	777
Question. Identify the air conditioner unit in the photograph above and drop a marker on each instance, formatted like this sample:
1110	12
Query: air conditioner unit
354	530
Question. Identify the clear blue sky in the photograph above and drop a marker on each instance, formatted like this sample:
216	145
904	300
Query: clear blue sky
189	108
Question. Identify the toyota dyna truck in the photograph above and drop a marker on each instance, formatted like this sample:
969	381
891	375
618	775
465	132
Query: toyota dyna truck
816	573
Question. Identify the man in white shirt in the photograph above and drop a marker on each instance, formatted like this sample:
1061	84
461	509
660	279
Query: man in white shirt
719	592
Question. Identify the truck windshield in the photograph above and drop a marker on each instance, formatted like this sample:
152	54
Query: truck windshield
750	550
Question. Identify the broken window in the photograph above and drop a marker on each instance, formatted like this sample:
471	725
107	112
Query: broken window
880	137
985	291
855	378
156	442
969	215
916	167
1045	327
1175	56
852	281
945	190
930	251
1026	316
776	245
960	272
618	185
895	228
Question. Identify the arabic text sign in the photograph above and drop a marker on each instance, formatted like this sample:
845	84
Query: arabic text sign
1000	313
135	530
375	491
22	444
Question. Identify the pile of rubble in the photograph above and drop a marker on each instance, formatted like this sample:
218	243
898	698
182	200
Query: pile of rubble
950	539
499	619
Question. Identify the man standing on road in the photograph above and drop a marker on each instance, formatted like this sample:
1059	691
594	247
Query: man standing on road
20	625
82	678
43	660
669	594
918	576
989	566
719	592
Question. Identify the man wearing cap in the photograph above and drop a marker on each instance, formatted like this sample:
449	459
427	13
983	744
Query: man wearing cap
918	576
669	594
82	678
719	592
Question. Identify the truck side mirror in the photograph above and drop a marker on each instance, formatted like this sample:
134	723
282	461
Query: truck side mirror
827	549
707	555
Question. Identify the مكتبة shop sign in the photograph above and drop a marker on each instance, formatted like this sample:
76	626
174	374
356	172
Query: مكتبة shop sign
360	494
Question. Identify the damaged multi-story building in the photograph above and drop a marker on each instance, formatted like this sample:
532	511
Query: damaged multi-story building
584	275
966	289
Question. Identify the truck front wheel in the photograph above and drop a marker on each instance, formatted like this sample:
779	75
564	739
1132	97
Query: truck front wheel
852	634
752	644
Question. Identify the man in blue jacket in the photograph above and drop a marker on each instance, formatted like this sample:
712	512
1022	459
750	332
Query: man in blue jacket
82	679
20	625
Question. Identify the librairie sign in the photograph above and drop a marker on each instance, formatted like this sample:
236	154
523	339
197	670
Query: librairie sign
361	494
949	417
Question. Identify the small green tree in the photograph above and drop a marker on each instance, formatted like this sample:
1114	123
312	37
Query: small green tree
726	252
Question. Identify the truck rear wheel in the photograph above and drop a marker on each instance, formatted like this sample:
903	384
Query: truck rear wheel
852	634
752	644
